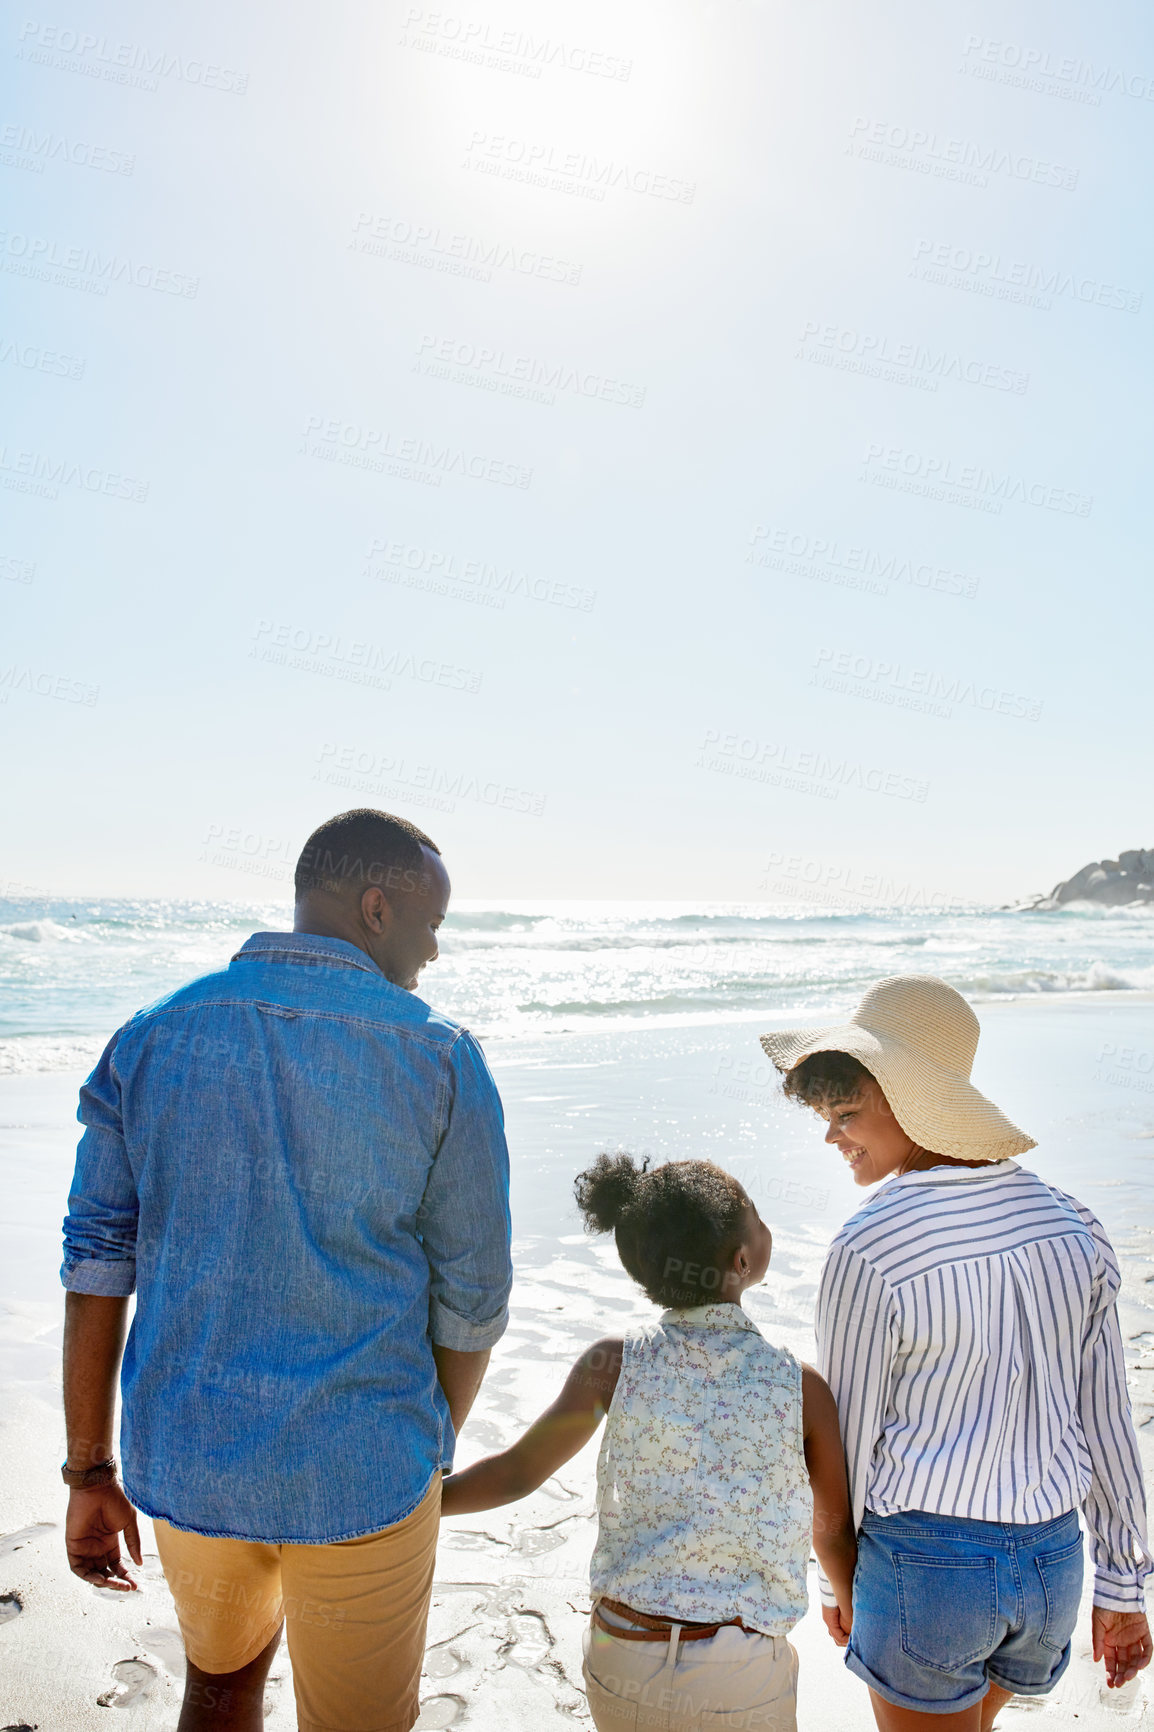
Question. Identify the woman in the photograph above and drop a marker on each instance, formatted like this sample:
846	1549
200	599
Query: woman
966	1324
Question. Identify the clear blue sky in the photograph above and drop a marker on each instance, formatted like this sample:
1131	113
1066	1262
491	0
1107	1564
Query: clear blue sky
852	294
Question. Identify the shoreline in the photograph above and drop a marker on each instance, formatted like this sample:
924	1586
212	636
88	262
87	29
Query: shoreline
511	1595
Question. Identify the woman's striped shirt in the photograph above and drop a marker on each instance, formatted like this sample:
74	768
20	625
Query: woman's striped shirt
967	1325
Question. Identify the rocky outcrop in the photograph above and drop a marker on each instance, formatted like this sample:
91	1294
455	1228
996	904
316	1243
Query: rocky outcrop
1114	883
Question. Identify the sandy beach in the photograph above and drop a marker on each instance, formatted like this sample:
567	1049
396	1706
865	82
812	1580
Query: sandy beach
504	1638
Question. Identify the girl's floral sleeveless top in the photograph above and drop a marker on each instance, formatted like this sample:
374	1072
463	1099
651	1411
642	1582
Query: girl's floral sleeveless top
703	1497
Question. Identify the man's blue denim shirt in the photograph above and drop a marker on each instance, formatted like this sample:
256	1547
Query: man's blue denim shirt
301	1170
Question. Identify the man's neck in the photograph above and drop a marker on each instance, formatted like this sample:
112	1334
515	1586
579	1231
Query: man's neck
319	925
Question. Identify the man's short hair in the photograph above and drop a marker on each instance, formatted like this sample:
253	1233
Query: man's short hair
358	849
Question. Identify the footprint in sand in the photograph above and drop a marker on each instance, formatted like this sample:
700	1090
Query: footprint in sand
442	1661
11	1606
489	1598
10	1543
165	1644
529	1641
532	1542
135	1682
438	1712
471	1540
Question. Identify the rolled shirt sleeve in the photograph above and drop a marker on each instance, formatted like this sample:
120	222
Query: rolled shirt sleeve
464	1215
103	1208
1115	1506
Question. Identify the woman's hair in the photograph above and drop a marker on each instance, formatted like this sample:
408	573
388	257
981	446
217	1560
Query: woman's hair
677	1226
826	1080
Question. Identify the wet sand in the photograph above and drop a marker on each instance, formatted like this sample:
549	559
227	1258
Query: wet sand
512	1593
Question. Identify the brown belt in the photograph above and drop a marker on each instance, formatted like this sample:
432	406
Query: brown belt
659	1629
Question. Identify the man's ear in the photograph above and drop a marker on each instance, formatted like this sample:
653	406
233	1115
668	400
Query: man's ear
376	910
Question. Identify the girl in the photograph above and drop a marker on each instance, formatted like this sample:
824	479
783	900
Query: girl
721	1457
966	1320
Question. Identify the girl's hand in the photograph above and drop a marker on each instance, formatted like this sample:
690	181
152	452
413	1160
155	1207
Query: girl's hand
548	1444
839	1630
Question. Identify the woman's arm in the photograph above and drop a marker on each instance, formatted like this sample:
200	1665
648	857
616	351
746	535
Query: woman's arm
550	1441
834	1540
1115	1505
856	1327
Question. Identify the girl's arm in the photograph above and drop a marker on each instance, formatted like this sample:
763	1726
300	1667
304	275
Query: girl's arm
550	1441
833	1530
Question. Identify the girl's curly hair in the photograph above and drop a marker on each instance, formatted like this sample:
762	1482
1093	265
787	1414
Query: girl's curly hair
677	1226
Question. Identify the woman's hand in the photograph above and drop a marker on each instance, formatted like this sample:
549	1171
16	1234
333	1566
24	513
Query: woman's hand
836	1625
1122	1640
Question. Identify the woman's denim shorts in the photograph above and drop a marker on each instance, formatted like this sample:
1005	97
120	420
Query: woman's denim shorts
944	1607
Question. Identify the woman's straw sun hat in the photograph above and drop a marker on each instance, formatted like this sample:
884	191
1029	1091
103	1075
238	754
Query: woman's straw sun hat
917	1037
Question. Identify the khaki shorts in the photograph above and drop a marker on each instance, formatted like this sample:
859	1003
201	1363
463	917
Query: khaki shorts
355	1614
736	1681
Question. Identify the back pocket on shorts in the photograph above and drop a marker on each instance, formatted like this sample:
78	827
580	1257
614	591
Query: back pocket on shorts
1061	1574
948	1609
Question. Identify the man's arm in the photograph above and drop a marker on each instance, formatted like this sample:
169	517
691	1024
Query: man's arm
99	1273
94	1328
460	1376
464	1226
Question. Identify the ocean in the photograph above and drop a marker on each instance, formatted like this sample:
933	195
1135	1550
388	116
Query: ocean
72	971
607	1026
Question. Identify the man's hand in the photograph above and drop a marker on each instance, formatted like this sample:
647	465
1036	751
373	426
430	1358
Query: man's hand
95	1520
1122	1639
839	1630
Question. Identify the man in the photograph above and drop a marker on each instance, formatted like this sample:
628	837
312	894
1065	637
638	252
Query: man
301	1170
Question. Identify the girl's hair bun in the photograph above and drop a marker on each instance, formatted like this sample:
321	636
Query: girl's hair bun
608	1190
